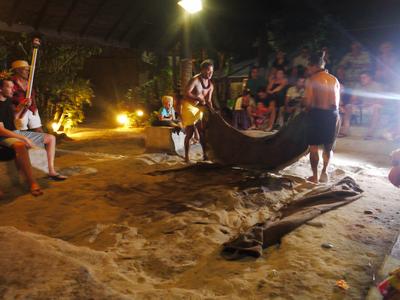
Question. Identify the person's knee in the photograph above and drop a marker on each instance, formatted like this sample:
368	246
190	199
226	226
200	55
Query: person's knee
327	152
314	149
19	147
49	139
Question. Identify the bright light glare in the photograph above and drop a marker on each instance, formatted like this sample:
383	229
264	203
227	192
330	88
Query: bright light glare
139	113
122	119
55	126
375	95
191	6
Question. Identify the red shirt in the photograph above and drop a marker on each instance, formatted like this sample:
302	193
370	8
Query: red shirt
20	95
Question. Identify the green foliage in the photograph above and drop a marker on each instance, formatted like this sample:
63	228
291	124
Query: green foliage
136	121
59	84
159	83
61	92
69	101
153	117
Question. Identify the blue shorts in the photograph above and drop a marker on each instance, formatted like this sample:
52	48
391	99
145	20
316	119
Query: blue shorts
36	137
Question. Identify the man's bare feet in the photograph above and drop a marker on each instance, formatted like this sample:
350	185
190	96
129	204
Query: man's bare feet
313	179
324	177
35	190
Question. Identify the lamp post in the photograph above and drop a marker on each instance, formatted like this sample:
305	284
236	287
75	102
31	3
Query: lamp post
190	7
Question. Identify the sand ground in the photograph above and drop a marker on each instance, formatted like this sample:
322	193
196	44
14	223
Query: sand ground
122	227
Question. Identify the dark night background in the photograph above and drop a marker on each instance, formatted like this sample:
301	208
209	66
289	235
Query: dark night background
225	25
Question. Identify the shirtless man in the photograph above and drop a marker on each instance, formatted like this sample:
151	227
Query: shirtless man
198	95
322	96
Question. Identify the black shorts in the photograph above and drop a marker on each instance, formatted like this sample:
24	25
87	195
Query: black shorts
322	126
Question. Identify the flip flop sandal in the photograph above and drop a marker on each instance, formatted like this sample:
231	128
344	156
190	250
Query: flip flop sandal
36	191
57	177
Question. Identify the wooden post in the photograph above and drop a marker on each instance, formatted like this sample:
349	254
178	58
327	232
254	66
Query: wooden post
36	43
186	73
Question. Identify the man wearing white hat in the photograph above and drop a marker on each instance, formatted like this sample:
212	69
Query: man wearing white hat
27	114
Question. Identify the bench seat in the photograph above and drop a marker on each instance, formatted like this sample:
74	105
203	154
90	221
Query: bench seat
163	139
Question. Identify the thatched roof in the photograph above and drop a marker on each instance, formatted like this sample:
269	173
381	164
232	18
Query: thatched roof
120	22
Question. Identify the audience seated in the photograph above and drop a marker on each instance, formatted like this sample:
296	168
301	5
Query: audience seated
277	91
354	63
166	114
344	90
270	105
387	70
296	73
242	112
280	62
294	100
386	67
254	81
302	58
20	141
366	96
260	117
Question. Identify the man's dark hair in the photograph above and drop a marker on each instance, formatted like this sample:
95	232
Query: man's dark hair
317	59
2	82
206	63
254	68
281	69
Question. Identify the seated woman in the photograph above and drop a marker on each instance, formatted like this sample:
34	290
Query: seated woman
244	105
260	116
269	104
277	91
294	99
280	62
166	114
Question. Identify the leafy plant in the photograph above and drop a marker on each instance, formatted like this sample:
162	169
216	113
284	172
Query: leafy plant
61	91
69	103
148	94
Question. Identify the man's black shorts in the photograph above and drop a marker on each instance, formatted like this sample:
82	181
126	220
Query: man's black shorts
322	126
